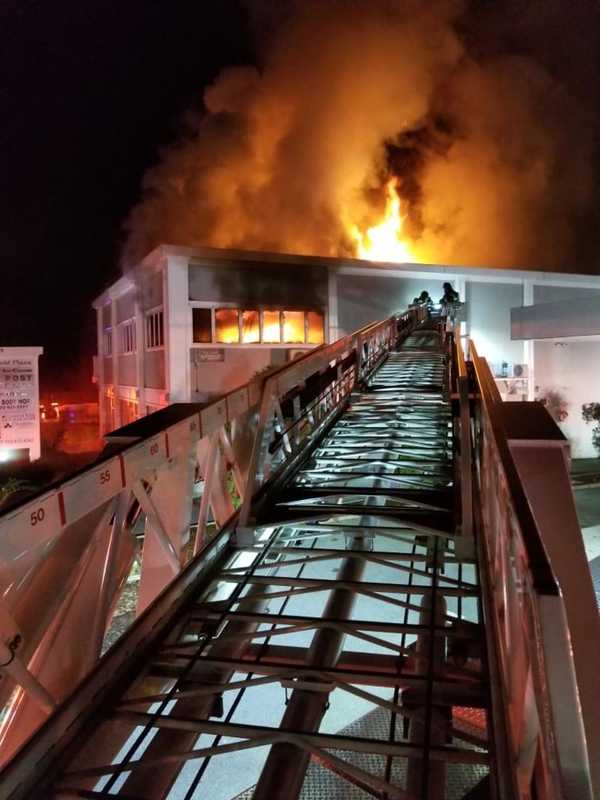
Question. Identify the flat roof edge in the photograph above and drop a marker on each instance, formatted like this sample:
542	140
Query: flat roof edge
337	263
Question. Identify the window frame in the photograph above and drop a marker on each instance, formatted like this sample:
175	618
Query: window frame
127	337
151	313
107	342
213	306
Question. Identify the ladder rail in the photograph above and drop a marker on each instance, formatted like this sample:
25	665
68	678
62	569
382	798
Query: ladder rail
535	677
317	453
78	538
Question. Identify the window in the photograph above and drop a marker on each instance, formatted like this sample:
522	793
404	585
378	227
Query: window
128	337
129	411
227	325
154	330
293	327
271	326
315	327
202	326
107	344
250	327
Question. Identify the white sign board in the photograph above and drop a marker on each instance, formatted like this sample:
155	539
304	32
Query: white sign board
19	400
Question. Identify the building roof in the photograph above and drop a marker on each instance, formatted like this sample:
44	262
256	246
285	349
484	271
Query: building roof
214	256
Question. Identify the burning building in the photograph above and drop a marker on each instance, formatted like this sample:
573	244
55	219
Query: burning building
188	324
373	139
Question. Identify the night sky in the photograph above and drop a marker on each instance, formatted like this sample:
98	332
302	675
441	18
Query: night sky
91	90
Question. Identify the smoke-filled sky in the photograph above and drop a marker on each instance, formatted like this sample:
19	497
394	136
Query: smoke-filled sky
487	114
273	124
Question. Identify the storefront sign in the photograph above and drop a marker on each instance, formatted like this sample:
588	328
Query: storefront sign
19	400
210	354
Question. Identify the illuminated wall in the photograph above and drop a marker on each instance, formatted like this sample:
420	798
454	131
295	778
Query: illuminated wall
366	298
571	368
488	314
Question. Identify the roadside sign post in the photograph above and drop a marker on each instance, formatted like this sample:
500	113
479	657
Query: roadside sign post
19	401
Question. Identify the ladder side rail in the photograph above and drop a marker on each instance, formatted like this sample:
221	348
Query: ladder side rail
521	586
343	364
51	542
21	775
460	392
75	543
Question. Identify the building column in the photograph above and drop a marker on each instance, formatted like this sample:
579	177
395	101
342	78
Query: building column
140	349
177	328
529	345
100	370
460	284
332	306
115	361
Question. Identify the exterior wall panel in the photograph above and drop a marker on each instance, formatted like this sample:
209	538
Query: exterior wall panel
126	306
577	317
108	370
570	369
127	370
152	290
289	285
553	294
367	298
488	312
154	369
213	378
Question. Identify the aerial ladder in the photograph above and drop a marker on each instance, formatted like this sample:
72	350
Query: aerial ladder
345	589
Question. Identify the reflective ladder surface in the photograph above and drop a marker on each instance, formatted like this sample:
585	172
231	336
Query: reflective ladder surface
340	655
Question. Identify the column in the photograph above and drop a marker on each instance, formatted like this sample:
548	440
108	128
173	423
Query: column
177	329
140	350
529	345
100	371
332	310
115	360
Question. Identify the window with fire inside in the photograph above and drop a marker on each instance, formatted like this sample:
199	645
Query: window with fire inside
247	326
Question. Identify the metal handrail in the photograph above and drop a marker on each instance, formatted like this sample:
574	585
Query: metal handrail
526	612
61	543
370	343
466	466
544	579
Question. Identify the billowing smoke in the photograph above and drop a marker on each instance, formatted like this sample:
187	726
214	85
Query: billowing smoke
484	112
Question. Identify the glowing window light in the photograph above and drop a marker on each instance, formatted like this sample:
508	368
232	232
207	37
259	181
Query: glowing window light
227	325
271	327
250	327
293	327
316	328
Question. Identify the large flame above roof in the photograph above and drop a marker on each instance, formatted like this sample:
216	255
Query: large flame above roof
385	241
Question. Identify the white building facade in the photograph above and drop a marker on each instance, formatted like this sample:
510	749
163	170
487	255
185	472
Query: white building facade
189	324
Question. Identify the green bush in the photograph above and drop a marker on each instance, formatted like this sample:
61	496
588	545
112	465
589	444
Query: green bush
591	413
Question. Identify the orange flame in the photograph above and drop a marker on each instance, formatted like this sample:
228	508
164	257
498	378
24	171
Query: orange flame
385	242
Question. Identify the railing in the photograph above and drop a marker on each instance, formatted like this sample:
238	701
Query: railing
293	412
67	552
531	660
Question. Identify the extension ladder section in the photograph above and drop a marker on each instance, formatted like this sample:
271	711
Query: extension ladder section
340	653
329	640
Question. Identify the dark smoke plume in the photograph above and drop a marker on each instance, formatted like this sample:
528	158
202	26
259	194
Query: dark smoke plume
486	112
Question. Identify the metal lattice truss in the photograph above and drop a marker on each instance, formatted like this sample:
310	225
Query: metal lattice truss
350	599
325	639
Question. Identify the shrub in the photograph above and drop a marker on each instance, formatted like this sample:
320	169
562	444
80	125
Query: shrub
591	413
